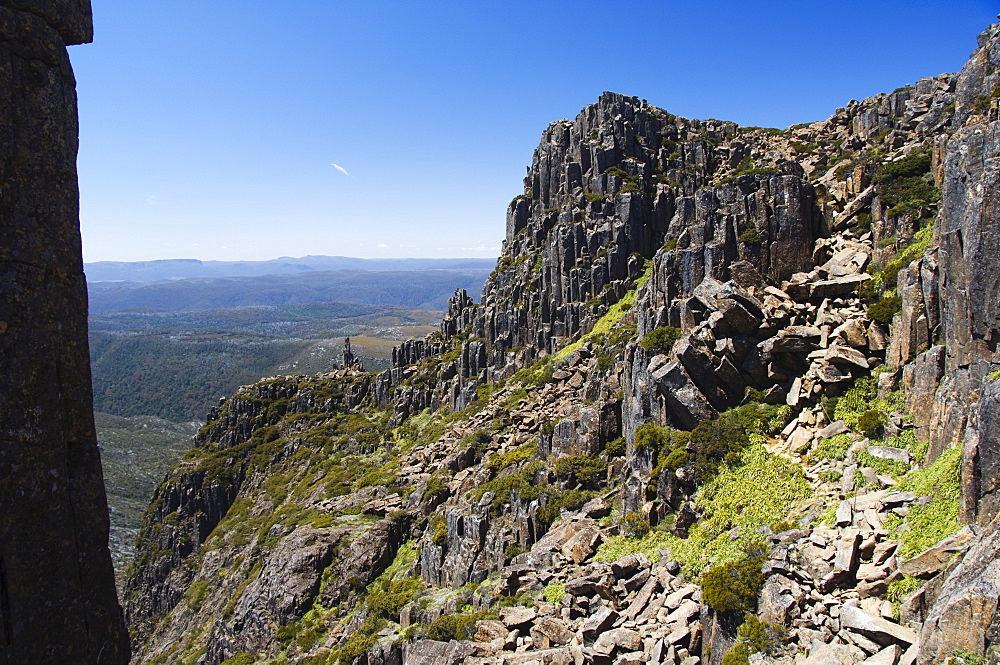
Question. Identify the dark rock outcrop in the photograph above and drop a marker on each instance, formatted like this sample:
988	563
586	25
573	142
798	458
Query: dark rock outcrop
57	592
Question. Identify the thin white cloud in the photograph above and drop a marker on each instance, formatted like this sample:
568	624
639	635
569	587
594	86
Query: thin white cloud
342	170
481	248
382	245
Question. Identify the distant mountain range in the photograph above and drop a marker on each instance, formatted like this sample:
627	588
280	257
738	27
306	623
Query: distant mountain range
425	289
152	271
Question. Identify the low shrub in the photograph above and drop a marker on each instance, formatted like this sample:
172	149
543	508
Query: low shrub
734	585
457	626
753	636
660	338
586	470
554	592
242	658
633	525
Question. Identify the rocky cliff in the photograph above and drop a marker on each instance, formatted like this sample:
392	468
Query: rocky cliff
57	594
728	397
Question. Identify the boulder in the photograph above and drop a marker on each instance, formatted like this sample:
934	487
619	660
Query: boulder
890	453
966	608
878	629
515	617
617	638
934	559
550	631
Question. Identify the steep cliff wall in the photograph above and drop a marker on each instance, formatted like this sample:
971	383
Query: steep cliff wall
671	430
57	593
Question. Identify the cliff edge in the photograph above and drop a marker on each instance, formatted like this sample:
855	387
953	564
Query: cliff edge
57	592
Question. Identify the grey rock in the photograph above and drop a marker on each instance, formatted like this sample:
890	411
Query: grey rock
430	652
833	654
833	429
550	631
779	601
617	638
887	656
934	559
962	616
846	559
882	631
890	453
599	622
487	631
515	617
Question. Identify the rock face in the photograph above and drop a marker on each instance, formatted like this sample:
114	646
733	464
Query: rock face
55	519
678	301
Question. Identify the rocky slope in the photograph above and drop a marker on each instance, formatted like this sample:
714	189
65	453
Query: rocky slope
727	398
57	594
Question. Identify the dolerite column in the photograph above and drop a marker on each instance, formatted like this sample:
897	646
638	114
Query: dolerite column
57	595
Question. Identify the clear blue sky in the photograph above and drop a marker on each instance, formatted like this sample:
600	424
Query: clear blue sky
209	127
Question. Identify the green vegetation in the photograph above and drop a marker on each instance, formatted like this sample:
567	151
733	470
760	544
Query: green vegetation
554	592
742	488
968	657
523	452
750	235
747	167
733	585
937	519
753	636
803	148
862	410
982	103
630	182
632	525
712	442
195	594
440	530
834	448
581	469
898	590
650	544
242	658
520	482
609	324
660	338
906	186
886	307
457	626
176	365
136	452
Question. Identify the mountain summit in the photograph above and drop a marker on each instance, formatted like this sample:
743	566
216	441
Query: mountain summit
728	397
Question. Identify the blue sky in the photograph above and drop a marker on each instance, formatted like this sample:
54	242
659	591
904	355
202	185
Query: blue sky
209	129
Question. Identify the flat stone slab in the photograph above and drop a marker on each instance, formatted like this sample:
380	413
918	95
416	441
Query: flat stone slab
890	453
879	629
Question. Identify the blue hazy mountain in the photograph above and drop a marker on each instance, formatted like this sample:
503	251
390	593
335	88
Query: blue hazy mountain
151	271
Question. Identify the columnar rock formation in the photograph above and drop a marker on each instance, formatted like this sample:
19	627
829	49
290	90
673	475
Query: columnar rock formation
57	593
695	328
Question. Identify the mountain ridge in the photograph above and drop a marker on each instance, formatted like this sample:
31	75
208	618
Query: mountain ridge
728	397
162	269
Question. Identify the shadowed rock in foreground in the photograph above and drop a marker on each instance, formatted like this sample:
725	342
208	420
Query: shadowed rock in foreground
57	593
